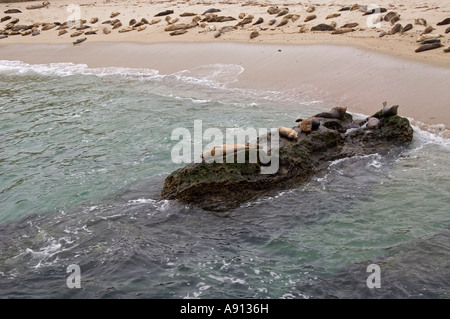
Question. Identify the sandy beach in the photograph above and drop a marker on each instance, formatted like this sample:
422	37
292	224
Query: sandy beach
357	68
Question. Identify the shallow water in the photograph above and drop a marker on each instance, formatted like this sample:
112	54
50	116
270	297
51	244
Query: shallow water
83	157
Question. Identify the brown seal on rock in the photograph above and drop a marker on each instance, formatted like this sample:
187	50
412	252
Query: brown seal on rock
309	125
288	133
335	113
373	123
389	111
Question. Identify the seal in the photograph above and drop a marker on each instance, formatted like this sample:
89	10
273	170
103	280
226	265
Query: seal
259	21
61	32
420	21
178	32
389	111
350	25
9	11
5	18
444	22
407	27
342	30
310	17
79	41
333	15
447	50
226	149
38	6
164	13
389	16
283	12
114	14
335	113
373	123
322	27
272	21
273	10
309	125
213	10
288	133
428	29
447	30
430	46
93	20
76	34
433	40
3	36
396	29
254	34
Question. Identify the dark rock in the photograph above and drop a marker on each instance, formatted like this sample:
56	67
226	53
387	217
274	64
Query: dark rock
222	186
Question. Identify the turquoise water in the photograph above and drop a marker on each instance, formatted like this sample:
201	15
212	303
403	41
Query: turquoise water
83	156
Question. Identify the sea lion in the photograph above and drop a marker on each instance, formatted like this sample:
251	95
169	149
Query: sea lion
389	16
254	34
420	21
407	27
335	113
259	21
444	22
373	123
310	17
10	11
273	10
333	15
350	25
430	46
310	9
79	41
322	27
288	133
309	125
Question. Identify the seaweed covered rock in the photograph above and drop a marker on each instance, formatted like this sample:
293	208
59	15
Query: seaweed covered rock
299	153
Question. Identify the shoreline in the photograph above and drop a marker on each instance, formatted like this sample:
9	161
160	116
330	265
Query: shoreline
360	79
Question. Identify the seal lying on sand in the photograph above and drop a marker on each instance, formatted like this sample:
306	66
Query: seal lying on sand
430	46
335	113
38	6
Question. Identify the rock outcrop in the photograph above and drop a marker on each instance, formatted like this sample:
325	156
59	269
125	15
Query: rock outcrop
222	186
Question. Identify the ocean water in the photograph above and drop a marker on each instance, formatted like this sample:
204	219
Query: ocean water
83	156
